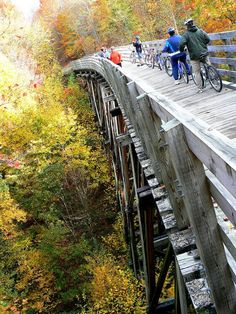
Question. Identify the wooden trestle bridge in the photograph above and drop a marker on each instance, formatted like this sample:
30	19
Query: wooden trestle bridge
174	158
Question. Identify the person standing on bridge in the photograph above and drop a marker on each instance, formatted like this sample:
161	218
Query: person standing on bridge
138	47
172	47
115	56
196	41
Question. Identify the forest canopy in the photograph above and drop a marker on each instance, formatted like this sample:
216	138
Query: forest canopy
83	26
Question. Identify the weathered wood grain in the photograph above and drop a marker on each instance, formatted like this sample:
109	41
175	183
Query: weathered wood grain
191	175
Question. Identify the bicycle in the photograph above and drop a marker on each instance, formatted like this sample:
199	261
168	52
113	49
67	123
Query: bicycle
133	57
209	73
159	61
168	66
182	71
149	57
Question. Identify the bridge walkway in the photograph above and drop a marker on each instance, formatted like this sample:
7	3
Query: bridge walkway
216	109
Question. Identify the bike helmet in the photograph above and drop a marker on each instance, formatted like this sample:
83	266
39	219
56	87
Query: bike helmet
188	22
171	30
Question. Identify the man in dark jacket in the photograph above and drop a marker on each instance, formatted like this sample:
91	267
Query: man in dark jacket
196	41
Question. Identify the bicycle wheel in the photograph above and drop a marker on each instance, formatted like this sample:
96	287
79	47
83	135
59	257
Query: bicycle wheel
149	61
183	72
159	62
214	78
132	57
153	62
168	66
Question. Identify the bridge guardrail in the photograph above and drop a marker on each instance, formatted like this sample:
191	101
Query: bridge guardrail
222	51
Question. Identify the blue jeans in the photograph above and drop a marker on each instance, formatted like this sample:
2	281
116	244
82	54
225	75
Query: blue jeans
140	55
174	61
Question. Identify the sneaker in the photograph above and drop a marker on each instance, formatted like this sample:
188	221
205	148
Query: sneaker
177	82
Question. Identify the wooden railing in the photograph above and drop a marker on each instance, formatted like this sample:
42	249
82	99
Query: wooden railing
222	51
197	166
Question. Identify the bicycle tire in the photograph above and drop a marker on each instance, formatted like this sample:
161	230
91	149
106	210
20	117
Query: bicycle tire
158	61
153	63
214	78
147	61
184	73
161	63
168	67
132	57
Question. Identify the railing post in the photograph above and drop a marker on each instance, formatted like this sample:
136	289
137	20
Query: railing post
146	205
150	126
230	55
197	198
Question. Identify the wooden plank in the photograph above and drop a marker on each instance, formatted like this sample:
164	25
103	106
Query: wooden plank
151	128
145	211
223	198
223	35
124	139
222	48
143	132
200	296
159	192
190	265
161	242
181	290
164	206
191	175
169	221
182	241
227	72
230	61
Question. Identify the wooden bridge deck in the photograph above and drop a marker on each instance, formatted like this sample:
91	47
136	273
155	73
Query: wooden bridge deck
218	110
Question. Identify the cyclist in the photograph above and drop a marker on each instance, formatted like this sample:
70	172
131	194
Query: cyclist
172	47
196	41
138	47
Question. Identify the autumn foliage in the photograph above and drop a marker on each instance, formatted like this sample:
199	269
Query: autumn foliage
82	27
57	202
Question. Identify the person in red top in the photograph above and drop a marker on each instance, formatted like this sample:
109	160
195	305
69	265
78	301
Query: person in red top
115	56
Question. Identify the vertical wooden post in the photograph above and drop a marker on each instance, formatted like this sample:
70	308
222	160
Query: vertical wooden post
181	291
197	198
150	125
94	102
230	55
145	210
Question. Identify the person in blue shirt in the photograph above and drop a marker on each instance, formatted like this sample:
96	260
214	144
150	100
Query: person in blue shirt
172	47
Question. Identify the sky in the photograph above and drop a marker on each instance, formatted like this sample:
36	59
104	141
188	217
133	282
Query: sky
27	7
